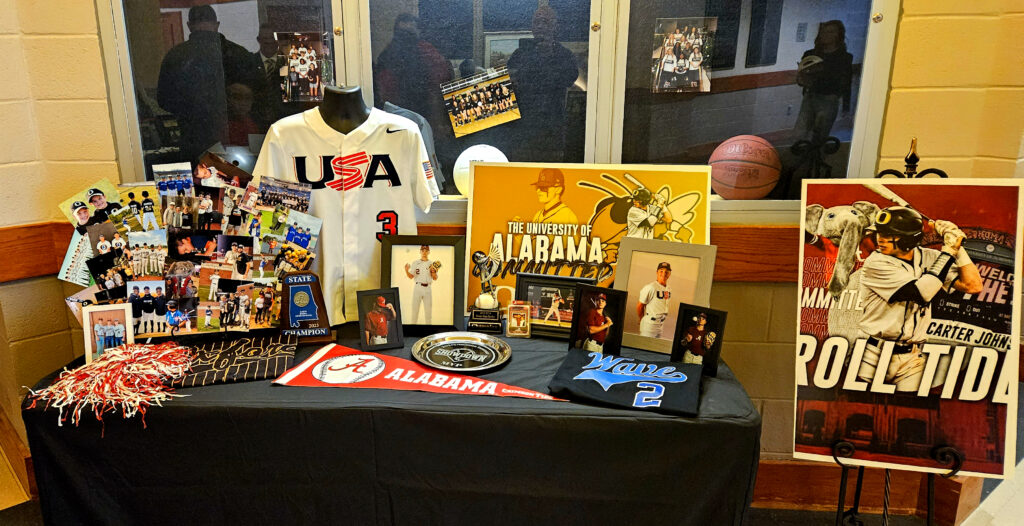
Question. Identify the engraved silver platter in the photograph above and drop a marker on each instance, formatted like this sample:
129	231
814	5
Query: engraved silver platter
462	351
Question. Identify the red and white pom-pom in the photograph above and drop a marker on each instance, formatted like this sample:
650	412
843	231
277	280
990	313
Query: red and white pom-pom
130	377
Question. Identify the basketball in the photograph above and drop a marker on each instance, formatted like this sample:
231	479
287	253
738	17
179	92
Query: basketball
744	167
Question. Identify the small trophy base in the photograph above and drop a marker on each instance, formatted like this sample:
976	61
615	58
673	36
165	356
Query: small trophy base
487	321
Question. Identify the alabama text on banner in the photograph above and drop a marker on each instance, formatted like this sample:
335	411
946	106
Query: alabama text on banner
908	340
568	219
337	366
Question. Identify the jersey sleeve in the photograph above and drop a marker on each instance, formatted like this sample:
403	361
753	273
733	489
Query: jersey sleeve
424	183
884	277
646	294
272	161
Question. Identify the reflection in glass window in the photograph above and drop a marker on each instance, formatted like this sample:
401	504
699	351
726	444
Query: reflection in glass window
788	72
510	74
220	74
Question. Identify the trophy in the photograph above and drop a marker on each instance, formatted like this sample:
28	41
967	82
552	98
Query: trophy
303	312
485	314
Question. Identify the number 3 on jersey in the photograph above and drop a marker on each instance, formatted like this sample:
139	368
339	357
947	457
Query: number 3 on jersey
388	220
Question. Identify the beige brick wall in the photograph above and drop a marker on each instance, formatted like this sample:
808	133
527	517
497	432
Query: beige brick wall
57	137
962	97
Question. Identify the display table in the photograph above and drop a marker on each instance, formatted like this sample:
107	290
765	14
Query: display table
256	453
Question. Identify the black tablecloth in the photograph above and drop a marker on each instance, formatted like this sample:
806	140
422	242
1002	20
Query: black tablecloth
255	453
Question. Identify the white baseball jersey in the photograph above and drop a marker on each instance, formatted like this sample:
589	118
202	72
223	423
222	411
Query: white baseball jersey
366	184
103	247
655	296
420	271
881	277
640	223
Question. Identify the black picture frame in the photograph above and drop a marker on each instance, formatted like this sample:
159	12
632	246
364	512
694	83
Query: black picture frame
715	325
614	310
526	280
366	300
388	243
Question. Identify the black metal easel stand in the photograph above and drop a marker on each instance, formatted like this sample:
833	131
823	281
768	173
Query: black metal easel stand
911	161
946	456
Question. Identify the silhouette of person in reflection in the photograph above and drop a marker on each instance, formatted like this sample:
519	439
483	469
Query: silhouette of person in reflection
267	95
825	73
410	71
542	70
194	77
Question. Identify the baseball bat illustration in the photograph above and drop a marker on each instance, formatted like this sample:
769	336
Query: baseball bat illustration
895	198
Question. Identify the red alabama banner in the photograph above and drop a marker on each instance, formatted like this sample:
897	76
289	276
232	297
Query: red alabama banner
337	366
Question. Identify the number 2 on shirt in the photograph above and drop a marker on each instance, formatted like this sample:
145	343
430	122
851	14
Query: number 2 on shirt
651	398
388	220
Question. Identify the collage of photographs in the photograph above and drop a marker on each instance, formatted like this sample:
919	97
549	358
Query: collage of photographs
188	253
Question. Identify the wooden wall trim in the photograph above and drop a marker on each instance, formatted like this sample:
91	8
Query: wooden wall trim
33	250
746	253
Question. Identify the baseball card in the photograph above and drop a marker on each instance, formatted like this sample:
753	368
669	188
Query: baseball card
73	269
276	192
424	275
142	200
658	275
148	307
105	327
698	337
569	219
82	298
909	319
213	171
266	304
380	319
517	321
681	57
597	320
92	205
480	101
147	253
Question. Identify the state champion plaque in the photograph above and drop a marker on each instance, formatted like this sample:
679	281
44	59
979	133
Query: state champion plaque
303	313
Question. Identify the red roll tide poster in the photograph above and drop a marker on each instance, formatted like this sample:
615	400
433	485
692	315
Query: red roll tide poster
908	340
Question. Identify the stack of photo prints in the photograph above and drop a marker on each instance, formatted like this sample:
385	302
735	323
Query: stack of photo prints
185	254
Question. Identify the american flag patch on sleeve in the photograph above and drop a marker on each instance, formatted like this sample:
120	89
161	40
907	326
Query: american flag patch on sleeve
427	171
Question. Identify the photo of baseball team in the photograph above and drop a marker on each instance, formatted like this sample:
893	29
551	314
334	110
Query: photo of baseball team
682	54
301	59
480	102
909	284
105	327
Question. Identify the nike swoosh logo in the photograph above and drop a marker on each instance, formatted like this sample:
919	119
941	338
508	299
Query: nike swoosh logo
393	131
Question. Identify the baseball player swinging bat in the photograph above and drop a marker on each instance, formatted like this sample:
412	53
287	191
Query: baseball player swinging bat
895	198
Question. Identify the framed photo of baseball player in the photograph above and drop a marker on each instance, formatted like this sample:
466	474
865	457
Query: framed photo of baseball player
570	219
380	319
597	321
909	322
428	271
698	337
658	275
551	300
106	327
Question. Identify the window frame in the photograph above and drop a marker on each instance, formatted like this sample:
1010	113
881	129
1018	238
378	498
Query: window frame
605	93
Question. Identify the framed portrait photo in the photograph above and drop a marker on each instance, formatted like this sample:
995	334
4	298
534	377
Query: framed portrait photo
698	337
517	323
428	272
551	300
597	319
380	319
657	276
106	327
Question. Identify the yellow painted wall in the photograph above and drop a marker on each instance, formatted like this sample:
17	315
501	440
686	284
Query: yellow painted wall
958	85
